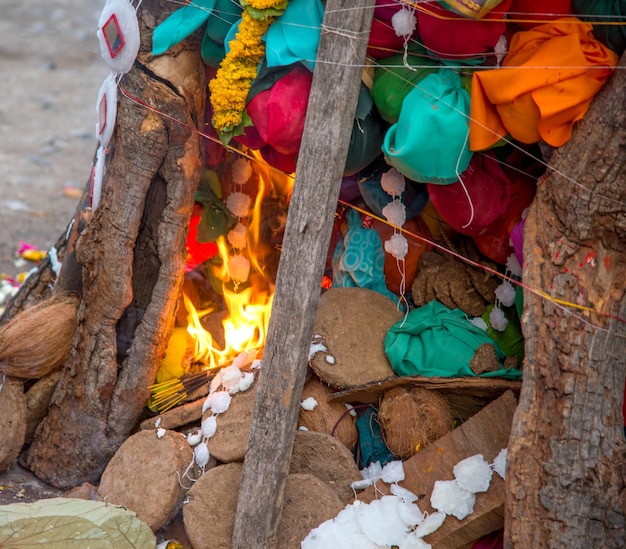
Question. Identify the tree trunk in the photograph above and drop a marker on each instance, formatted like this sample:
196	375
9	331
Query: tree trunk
132	257
566	463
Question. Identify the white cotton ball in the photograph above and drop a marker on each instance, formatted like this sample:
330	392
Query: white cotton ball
246	381
238	203
512	264
397	246
403	493
237	236
497	319
393	472
431	523
479	322
308	404
411	541
395	213
393	182
157	423
242	170
160	432
208	426
380	521
330	359
239	268
243	358
501	48
201	454
342	531
231	376
473	474
404	22
193	439
449	498
505	293
220	401
362	484
316	347
499	464
206	405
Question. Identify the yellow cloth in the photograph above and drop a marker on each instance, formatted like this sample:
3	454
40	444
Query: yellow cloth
545	85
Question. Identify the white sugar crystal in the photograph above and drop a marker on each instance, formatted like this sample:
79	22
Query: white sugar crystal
512	264
373	470
473	474
380	521
393	472
246	381
403	493
201	454
449	498
342	532
499	464
431	523
193	439
505	293
497	319
362	484
231	376
160	432
220	401
308	404
410	513
317	346
238	203
393	182
330	359
157	422
397	246
411	541
395	212
208	426
479	323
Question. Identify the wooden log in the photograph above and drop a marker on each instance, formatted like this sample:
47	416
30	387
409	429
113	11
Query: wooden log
324	149
485	433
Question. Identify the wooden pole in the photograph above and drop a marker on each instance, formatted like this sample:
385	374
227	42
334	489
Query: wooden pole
323	152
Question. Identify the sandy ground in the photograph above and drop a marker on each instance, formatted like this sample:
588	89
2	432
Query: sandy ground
50	73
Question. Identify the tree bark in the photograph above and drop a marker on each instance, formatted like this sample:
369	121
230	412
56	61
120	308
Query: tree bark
132	257
566	462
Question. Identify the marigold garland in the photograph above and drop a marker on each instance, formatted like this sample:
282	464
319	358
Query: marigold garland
229	89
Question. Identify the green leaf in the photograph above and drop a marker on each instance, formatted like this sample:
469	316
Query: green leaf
61	523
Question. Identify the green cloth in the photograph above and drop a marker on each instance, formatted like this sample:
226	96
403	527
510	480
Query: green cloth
372	446
510	340
393	80
429	143
597	11
435	341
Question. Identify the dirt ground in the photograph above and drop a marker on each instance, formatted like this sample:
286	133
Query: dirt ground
50	73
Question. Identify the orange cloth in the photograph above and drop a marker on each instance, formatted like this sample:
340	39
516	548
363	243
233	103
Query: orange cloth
546	84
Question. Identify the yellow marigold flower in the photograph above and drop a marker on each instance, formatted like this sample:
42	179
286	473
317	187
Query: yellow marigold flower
264	4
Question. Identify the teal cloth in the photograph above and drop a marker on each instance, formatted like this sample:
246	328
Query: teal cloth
429	143
181	24
295	35
225	15
359	259
372	446
435	341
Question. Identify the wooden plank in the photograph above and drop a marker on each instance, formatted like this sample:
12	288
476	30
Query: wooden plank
485	433
466	395
323	152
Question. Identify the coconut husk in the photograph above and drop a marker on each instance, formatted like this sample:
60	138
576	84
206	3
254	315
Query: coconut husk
327	417
36	341
411	418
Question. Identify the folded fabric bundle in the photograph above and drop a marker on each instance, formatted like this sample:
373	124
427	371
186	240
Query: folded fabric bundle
436	341
429	143
477	202
394	80
546	84
450	36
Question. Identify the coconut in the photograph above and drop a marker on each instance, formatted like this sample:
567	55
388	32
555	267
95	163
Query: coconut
328	417
413	417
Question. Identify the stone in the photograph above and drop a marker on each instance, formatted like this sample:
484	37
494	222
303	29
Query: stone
37	401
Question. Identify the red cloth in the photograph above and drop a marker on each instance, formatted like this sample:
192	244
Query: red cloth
489	191
536	12
278	113
448	35
383	40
